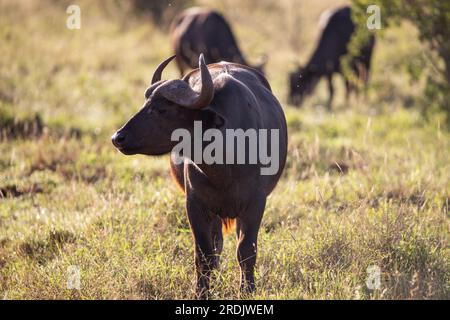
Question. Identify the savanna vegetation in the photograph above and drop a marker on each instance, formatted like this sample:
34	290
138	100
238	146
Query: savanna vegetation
365	185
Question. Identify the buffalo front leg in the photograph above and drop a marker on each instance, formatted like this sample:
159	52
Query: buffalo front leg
217	238
201	226
330	90
247	233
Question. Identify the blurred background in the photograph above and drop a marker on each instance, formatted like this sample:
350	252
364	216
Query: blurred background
366	184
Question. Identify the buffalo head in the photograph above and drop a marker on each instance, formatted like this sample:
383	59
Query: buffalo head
169	105
301	84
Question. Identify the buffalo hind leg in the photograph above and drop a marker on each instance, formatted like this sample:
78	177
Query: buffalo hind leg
247	228
348	90
201	226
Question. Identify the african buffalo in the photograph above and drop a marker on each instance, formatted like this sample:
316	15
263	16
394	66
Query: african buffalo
224	97
326	59
199	30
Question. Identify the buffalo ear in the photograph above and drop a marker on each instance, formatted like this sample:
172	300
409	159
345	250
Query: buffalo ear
211	118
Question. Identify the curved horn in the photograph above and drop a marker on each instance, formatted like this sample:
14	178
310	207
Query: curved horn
181	93
157	74
207	90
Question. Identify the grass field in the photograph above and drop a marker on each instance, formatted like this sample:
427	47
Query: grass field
366	185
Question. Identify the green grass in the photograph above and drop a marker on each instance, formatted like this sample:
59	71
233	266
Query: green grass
365	185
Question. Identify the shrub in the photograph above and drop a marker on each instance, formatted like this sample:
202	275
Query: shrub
432	19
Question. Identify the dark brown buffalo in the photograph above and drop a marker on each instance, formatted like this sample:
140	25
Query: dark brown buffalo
326	59
199	30
222	96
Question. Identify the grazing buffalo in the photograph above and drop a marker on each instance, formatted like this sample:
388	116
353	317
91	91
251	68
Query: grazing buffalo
199	30
326	59
229	100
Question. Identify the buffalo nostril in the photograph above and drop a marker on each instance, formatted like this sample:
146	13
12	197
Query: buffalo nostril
118	138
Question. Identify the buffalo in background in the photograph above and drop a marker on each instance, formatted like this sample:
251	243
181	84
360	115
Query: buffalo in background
326	59
199	30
